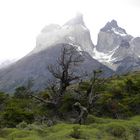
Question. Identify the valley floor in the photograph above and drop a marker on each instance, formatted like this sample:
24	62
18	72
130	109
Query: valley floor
95	129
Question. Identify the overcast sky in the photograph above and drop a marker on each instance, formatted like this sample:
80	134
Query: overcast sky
22	20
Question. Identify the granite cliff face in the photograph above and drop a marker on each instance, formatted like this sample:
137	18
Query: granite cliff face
115	47
73	32
111	37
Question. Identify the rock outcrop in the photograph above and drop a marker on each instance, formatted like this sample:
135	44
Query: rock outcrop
115	46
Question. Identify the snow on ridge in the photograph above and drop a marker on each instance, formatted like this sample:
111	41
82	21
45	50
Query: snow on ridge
72	38
102	57
78	47
118	32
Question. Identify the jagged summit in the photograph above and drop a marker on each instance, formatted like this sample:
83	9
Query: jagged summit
114	23
74	31
113	27
117	49
78	19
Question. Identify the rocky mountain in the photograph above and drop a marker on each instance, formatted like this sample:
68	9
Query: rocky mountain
117	49
48	46
74	32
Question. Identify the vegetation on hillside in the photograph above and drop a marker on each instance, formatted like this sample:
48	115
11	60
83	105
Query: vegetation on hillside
25	117
73	108
95	129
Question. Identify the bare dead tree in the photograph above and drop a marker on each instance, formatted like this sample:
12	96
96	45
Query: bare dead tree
95	84
64	73
30	93
82	113
65	69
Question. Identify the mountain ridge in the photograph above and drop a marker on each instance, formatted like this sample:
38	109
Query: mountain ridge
48	47
114	45
115	51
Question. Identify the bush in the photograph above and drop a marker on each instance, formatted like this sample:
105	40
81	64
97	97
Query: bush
136	132
11	117
90	119
116	130
21	125
76	132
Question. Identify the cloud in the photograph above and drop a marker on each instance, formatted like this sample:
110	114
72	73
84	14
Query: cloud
135	2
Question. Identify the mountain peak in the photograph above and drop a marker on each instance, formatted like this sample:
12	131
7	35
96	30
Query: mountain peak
78	19
113	28
113	23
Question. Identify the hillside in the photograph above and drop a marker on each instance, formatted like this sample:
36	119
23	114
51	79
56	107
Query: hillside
98	129
113	114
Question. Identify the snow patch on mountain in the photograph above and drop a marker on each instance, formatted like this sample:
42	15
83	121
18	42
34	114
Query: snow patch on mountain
105	57
118	32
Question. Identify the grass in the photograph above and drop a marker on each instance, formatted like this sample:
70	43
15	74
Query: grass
96	129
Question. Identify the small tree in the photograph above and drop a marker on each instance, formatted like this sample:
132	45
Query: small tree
95	84
65	69
21	92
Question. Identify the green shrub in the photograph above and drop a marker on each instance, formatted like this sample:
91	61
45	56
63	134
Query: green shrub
136	132
90	119
13	116
76	132
22	125
116	130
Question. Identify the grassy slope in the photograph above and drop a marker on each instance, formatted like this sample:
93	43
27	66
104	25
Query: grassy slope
97	129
